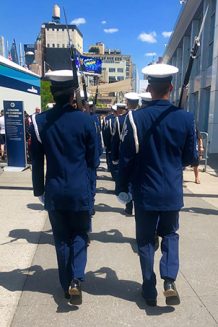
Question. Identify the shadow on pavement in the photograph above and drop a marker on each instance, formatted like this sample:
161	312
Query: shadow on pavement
102	207
104	190
102	169
194	195
113	236
104	178
21	188
35	206
202	211
36	279
104	282
44	237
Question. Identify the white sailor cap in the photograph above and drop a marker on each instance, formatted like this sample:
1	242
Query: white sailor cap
159	72
146	96
114	107
91	103
132	96
121	105
59	75
62	81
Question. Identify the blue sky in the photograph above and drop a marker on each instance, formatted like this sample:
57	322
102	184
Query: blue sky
140	28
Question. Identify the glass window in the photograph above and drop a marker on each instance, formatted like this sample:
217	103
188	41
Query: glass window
112	70
120	70
112	79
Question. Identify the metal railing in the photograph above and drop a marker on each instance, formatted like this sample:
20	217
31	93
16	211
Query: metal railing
204	158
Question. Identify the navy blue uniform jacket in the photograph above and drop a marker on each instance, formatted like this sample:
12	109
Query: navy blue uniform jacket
98	132
107	131
116	137
67	138
155	165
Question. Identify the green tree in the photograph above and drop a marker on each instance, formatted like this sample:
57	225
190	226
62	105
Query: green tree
46	96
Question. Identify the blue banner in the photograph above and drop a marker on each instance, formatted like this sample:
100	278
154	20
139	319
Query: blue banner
89	64
15	133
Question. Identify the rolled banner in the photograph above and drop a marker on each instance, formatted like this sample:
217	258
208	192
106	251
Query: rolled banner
124	197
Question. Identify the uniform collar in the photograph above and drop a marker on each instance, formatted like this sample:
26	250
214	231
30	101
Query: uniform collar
161	103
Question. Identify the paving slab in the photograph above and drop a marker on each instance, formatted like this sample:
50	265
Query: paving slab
112	291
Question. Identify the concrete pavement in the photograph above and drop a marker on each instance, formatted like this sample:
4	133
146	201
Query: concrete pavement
29	289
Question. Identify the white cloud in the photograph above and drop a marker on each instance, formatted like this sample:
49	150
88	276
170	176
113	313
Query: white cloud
148	37
111	30
150	54
78	21
166	34
103	22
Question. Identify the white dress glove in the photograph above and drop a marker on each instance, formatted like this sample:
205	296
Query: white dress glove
124	197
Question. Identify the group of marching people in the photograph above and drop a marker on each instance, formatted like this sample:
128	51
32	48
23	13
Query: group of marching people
112	127
146	151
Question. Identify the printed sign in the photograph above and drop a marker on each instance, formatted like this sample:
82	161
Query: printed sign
15	133
89	64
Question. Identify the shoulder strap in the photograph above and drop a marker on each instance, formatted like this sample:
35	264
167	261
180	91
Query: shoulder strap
163	114
36	128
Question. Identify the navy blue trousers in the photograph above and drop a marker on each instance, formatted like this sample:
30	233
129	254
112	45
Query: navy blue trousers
166	223
70	238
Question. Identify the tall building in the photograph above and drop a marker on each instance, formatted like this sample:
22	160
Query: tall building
29	54
14	53
115	65
52	45
203	86
2	46
97	48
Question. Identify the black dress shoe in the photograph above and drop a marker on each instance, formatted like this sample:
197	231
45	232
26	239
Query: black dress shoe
93	212
171	293
75	292
67	295
128	212
150	302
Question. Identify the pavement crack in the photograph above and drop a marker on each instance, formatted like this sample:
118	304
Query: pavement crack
199	297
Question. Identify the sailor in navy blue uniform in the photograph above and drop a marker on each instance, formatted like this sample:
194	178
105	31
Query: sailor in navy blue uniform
93	173
115	138
132	100
107	131
96	120
157	142
145	99
66	137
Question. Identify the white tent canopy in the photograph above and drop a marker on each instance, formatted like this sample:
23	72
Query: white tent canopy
121	86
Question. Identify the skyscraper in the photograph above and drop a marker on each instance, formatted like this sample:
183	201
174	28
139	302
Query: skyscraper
2	46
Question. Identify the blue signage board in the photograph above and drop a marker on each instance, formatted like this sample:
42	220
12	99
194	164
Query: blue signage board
15	133
89	64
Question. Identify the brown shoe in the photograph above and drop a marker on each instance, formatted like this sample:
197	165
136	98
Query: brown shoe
171	293
75	292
